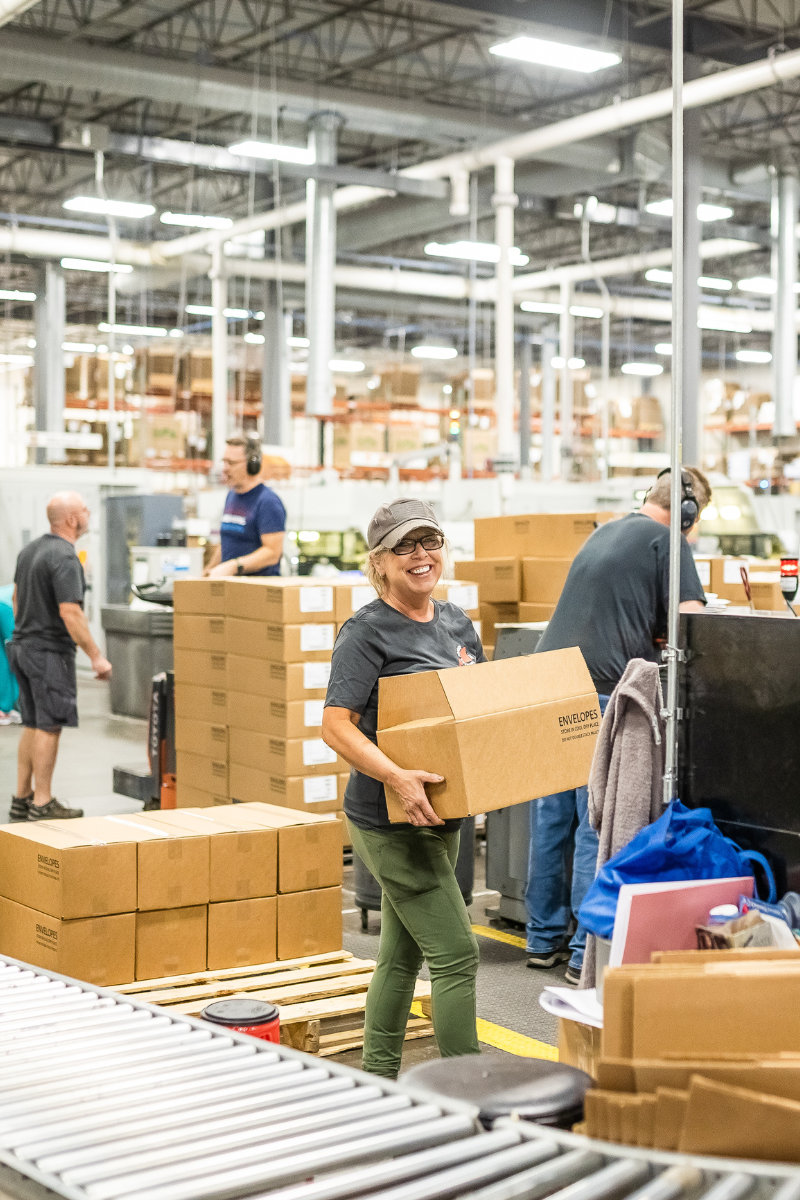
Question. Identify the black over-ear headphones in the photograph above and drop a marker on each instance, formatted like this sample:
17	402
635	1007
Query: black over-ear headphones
253	453
690	509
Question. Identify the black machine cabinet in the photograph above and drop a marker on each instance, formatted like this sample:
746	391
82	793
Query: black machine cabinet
740	733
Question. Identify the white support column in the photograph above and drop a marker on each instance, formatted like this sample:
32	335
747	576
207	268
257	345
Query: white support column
275	380
320	266
566	337
219	353
504	201
549	347
784	342
605	363
525	406
49	318
692	415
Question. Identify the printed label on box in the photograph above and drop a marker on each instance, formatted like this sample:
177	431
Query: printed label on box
765	576
319	788
312	712
315	752
316	675
316	599
316	637
731	571
464	596
361	595
704	572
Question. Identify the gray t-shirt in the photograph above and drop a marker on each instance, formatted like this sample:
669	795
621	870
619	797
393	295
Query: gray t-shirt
48	573
377	642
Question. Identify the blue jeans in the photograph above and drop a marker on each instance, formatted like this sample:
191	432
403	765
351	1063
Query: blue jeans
547	895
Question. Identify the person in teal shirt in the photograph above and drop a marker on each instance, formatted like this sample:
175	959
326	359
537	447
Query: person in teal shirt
9	690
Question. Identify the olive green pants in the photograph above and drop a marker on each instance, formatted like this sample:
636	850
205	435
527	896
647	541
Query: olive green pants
423	918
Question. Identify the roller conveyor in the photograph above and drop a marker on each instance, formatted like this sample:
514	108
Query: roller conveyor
105	1098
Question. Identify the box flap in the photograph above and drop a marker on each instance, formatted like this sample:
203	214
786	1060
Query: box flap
404	698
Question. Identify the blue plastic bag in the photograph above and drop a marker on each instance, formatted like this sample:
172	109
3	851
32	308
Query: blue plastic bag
684	843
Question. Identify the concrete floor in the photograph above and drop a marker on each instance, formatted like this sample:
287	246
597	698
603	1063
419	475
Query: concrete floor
508	993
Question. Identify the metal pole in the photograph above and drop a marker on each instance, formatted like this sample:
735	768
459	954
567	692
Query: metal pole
472	322
99	169
605	371
504	202
219	353
49	314
549	345
692	419
784	347
671	652
525	404
275	381
566	351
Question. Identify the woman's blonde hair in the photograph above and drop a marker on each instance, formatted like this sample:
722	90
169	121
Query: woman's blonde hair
372	566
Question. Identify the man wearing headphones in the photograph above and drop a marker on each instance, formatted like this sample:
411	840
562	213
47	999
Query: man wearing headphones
614	606
254	520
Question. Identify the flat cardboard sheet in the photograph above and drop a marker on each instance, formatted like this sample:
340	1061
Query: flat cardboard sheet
665	916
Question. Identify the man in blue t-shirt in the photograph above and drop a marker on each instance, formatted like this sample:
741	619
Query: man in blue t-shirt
254	520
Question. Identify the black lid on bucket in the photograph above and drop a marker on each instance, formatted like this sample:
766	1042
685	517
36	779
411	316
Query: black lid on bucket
240	1012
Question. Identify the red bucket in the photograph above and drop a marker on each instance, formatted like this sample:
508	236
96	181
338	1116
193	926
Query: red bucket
255	1017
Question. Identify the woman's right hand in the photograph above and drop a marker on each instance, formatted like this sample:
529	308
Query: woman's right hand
410	787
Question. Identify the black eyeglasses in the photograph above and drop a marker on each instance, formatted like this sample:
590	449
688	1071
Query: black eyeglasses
431	541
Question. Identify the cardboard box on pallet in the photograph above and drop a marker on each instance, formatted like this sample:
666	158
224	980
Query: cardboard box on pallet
498	579
205	597
278	680
68	869
199	703
204	667
283	756
280	643
193	797
543	579
473	726
309	922
202	771
172	864
278	718
201	737
242	933
193	632
171	941
316	793
277	601
98	950
243	862
535	535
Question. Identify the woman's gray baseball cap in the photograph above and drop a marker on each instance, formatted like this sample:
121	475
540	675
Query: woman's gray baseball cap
392	522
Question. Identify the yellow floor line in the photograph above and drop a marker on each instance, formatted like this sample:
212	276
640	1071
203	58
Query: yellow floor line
505	1039
498	936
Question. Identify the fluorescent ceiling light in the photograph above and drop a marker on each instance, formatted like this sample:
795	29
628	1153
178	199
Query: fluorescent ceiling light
580	310
270	150
347	366
17	360
655	275
79	347
763	285
207	310
255	339
705	212
236	314
475	252
127	349
753	356
555	54
639	368
663	348
176	333
91	264
724	322
557	363
195	221
134	330
434	352
541	306
109	208
199	310
575	364
297	341
730	512
10	295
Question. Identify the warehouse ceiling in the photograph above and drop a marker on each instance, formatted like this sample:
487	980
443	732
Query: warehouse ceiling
413	79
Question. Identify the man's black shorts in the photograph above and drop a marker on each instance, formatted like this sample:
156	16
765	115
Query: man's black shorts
48	691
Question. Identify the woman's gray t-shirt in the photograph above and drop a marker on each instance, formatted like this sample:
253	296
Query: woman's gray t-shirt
378	642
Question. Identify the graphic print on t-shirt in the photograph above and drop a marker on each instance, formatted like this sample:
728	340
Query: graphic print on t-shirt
464	657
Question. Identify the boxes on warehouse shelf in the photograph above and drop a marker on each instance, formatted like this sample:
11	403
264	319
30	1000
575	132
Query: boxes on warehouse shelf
205	597
497	578
400	385
763	574
278	680
405	439
204	667
199	703
280	601
243	862
187	796
279	718
358	445
172	864
474	726
242	933
543	579
282	756
317	793
68	869
309	922
98	950
536	612
535	535
496	614
171	941
201	737
280	643
202	771
192	631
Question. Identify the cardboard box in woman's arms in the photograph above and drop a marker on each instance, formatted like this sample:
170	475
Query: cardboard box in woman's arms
500	733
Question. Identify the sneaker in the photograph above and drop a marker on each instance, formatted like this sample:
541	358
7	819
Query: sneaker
543	960
52	811
572	976
14	717
19	807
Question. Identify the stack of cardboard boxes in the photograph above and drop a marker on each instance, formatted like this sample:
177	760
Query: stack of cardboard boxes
148	895
722	575
522	562
464	593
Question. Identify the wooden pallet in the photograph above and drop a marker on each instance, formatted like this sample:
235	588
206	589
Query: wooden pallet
321	999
